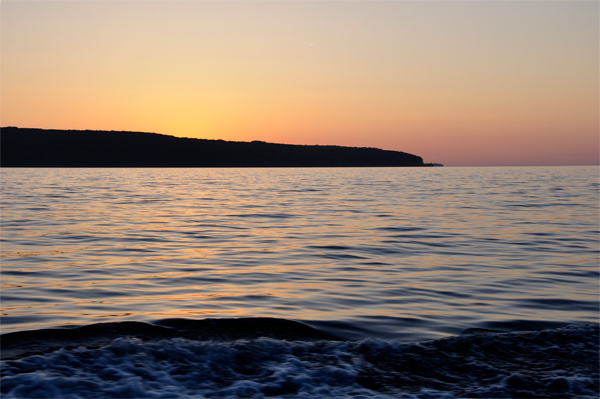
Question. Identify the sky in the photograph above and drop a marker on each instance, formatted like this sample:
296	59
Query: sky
456	82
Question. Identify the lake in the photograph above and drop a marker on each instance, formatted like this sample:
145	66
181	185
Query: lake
394	255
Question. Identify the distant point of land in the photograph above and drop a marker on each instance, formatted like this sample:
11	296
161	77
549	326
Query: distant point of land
93	148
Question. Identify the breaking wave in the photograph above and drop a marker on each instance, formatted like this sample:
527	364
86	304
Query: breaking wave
150	361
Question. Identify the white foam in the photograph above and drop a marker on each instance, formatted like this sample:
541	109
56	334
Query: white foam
181	368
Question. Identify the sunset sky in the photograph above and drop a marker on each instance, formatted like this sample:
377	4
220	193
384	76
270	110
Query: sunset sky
456	82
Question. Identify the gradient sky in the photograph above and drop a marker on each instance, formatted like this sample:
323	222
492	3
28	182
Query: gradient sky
456	82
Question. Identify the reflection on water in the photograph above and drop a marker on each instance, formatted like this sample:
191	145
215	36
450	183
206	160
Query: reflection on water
389	252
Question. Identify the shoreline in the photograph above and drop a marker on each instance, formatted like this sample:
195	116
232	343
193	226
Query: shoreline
554	363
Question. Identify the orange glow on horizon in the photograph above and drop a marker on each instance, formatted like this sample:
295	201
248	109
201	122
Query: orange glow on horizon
456	83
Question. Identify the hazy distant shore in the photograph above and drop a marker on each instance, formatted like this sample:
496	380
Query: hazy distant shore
90	148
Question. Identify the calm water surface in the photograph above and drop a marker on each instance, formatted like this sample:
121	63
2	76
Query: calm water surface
403	253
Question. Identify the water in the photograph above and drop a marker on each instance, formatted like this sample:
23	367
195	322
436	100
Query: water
405	253
401	254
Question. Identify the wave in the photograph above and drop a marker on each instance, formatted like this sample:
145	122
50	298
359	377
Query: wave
263	357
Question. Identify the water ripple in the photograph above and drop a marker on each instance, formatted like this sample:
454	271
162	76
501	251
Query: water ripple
385	252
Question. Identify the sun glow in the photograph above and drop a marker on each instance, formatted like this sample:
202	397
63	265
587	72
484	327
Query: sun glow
457	83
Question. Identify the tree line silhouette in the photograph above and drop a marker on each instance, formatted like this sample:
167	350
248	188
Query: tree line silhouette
92	148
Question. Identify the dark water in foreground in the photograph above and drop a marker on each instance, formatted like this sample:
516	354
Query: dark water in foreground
401	254
557	363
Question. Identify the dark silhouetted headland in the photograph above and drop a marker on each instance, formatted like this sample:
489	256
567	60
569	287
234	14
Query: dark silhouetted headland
91	148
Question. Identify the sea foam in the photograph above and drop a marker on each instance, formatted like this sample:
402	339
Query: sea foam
560	362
